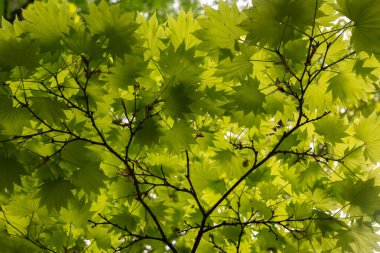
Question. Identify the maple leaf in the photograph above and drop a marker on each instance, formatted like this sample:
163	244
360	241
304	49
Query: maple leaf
116	26
275	21
178	100
220	27
247	97
56	193
180	65
367	130
125	72
347	86
13	119
333	129
179	137
50	110
149	133
358	238
366	17
48	22
10	172
363	196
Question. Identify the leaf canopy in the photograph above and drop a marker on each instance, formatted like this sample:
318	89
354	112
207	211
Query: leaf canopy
248	130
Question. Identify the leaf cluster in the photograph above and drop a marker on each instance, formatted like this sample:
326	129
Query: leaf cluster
236	131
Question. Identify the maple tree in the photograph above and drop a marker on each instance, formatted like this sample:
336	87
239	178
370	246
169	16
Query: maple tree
249	130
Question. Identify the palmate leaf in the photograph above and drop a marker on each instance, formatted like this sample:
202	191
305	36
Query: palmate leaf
179	137
126	70
274	21
331	128
180	65
85	166
182	29
246	97
133	94
77	213
48	22
220	27
366	17
238	67
56	193
15	245
178	100
22	205
90	179
76	153
12	119
15	51
358	238
102	237
48	109
126	219
116	26
363	196
211	102
208	176
149	133
152	33
233	164
10	172
348	86
310	175
81	41
368	131
321	200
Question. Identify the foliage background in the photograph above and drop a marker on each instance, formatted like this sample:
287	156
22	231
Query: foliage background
246	131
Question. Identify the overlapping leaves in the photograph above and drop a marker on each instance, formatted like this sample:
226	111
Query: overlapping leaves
237	130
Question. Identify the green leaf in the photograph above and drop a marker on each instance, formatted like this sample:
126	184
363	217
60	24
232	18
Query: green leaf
17	52
358	238
368	131
55	193
48	22
363	196
231	232
182	29
331	128
321	200
178	100
77	213
348	86
10	172
12	119
127	220
22	206
268	191
311	174
242	91
275	21
116	26
220	27
366	17
90	179
238	67
180	65
102	237
179	137
247	97
125	72
233	162
48	109
149	133
78	154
